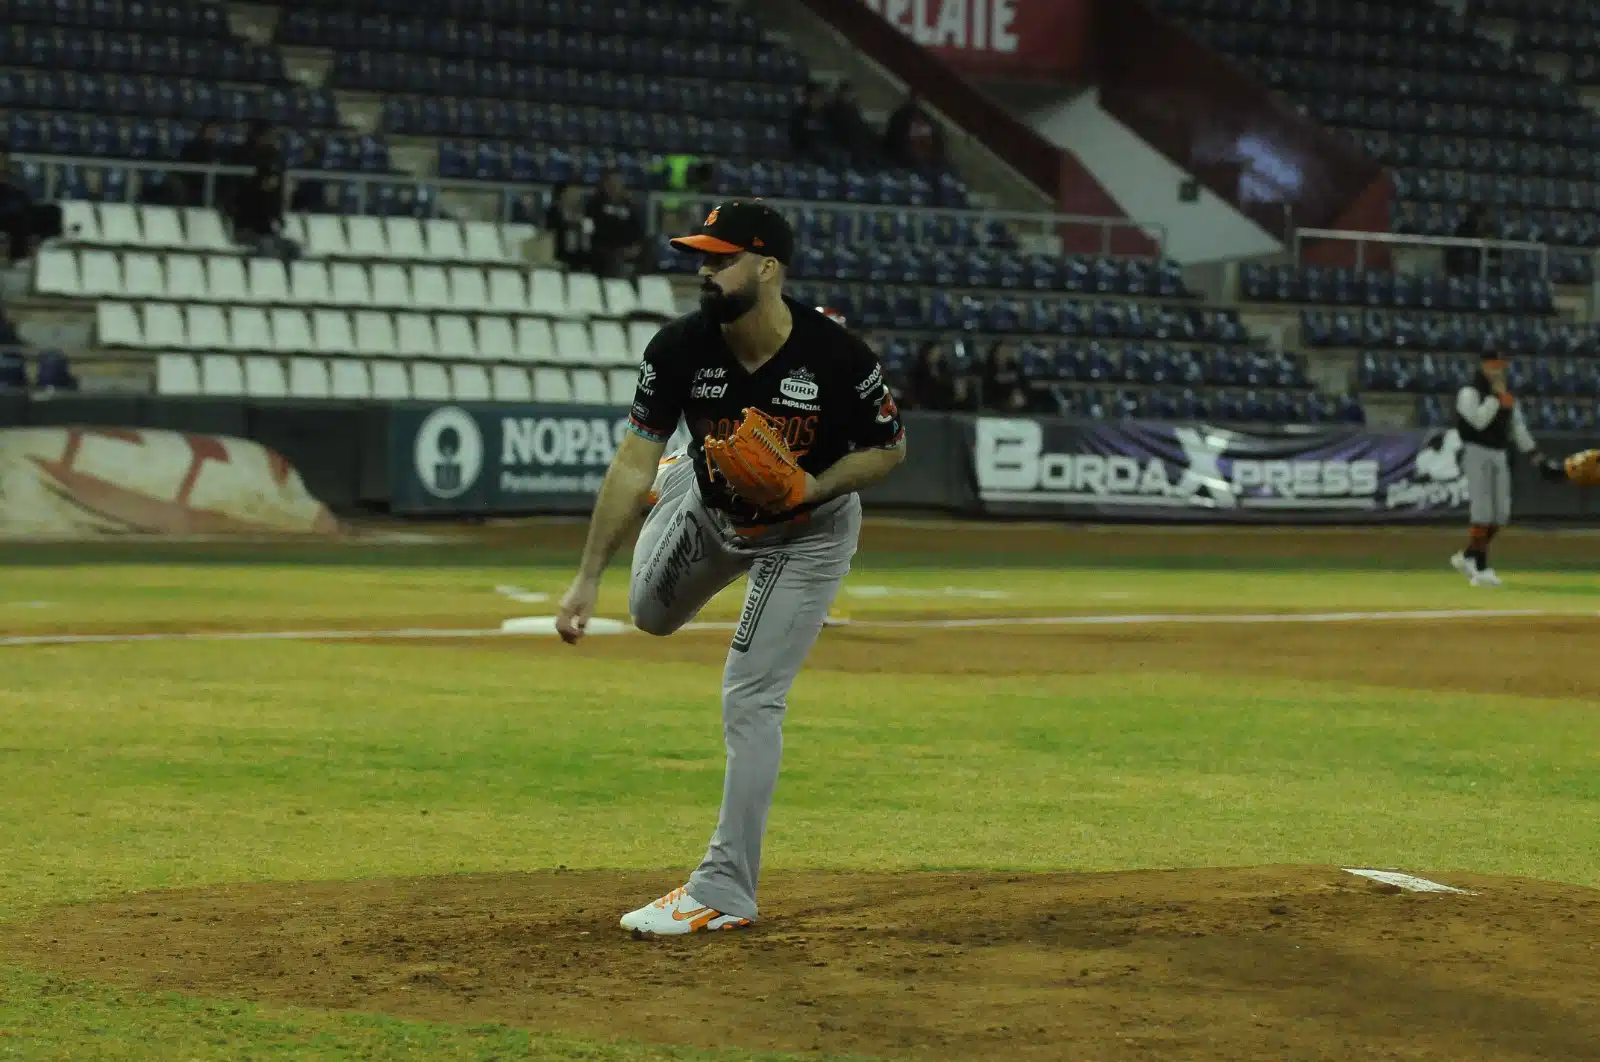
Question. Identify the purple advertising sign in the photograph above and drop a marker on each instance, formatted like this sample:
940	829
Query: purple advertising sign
1203	472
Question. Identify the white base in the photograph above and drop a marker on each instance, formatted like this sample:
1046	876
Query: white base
547	625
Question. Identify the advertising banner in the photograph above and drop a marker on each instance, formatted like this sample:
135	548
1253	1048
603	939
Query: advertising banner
1003	38
1149	471
501	459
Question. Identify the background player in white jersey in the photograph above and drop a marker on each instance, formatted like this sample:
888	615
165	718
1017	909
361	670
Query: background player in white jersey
788	416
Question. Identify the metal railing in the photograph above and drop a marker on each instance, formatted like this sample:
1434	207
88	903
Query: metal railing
507	194
1538	252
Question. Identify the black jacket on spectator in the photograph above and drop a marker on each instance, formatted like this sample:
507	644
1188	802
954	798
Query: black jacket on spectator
617	226
258	207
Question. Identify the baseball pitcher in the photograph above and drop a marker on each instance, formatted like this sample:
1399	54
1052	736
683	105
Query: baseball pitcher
789	415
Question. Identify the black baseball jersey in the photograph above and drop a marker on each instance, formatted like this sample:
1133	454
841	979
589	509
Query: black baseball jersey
824	385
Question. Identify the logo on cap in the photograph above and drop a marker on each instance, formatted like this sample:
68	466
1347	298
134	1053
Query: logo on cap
711	218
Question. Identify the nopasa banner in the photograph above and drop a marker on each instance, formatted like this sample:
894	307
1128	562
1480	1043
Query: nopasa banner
500	458
1197	471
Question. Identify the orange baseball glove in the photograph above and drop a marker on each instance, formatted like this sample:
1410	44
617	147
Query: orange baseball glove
1583	468
758	465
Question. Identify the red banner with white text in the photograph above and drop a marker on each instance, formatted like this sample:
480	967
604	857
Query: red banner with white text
1012	39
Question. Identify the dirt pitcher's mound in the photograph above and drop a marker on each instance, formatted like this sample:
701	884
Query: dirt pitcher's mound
1265	963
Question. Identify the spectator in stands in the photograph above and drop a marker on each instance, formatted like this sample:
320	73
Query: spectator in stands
911	138
935	383
846	127
618	236
571	228
1476	224
1004	389
22	221
205	149
258	206
808	128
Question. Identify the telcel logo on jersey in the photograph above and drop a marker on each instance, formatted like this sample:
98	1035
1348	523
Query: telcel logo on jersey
703	388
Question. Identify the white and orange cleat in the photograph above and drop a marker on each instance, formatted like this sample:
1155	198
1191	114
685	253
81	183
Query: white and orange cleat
678	914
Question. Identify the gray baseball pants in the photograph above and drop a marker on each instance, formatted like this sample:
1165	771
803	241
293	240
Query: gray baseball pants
685	555
1488	473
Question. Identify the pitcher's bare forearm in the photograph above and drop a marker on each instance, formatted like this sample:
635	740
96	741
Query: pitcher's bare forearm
857	471
618	508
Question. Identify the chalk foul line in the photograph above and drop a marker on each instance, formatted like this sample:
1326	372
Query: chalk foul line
427	633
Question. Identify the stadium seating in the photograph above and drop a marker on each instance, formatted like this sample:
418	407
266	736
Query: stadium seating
1459	119
379	308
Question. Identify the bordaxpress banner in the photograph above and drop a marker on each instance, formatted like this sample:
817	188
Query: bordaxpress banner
1153	471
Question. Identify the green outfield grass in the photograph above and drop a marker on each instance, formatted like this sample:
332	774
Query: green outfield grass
130	767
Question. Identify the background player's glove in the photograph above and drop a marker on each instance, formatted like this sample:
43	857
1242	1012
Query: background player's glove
758	465
1583	468
1551	469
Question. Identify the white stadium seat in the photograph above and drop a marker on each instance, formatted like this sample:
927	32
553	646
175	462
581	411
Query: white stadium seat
413	334
55	272
610	343
552	385
364	234
391	287
309	284
391	381
442	237
483	243
453	333
250	329
547	293
430	381
404	238
203	230
508	291
80	222
308	378
221	375
186	279
164	327
655	296
620	296
119	225
330	331
573	346
511	384
468	289
348	378
583	296
162	227
99	273
264	377
514	238
640	333
142	276
291	331
375	334
496	341
589	387
269	281
294	229
177	374
535	341
203	327
470	383
348	281
430	288
622	383
225	279
325	236
117	324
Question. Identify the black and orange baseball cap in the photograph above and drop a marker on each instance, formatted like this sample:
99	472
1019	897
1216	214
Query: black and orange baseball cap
742	225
